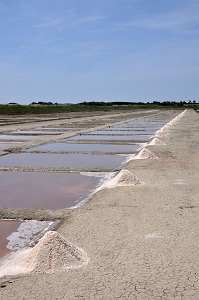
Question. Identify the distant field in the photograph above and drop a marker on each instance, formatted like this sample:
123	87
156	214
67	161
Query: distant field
45	109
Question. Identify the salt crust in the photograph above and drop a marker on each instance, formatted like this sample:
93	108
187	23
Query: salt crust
145	153
170	124
156	141
26	233
124	178
52	253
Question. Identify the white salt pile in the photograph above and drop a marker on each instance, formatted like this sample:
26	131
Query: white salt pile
156	141
145	154
52	253
124	178
170	124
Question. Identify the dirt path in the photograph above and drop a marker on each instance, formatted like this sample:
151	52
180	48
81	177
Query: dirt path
142	241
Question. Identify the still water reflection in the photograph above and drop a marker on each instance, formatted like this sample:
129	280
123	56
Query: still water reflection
88	147
62	160
44	190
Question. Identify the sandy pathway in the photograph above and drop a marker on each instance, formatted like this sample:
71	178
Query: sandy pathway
142	241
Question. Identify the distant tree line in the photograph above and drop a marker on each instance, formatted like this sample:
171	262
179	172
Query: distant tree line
43	107
114	103
43	103
154	103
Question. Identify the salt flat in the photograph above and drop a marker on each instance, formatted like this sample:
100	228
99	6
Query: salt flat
142	241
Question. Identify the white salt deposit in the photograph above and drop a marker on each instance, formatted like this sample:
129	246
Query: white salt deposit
105	177
52	253
155	235
145	154
124	178
170	124
26	233
156	141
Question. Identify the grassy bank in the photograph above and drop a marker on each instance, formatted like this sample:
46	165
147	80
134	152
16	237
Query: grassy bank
47	109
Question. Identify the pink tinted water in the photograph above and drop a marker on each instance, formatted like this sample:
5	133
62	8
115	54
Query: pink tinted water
6	228
44	190
62	160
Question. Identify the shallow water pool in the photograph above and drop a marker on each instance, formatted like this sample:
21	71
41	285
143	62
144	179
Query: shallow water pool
62	160
37	190
110	138
17	234
89	147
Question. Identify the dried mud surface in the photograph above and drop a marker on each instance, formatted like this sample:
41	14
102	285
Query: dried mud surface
142	240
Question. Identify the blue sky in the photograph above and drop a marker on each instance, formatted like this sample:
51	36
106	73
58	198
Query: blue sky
99	50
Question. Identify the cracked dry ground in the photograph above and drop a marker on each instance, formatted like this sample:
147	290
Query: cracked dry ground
142	241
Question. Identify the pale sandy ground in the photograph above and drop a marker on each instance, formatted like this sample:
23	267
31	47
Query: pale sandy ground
142	241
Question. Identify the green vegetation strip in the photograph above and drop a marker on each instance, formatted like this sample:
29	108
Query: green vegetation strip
16	109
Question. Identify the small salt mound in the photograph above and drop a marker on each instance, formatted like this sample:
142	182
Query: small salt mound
170	124
125	178
145	153
54	252
156	141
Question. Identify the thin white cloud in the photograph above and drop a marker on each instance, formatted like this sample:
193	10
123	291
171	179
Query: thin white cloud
71	20
50	23
168	21
89	19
